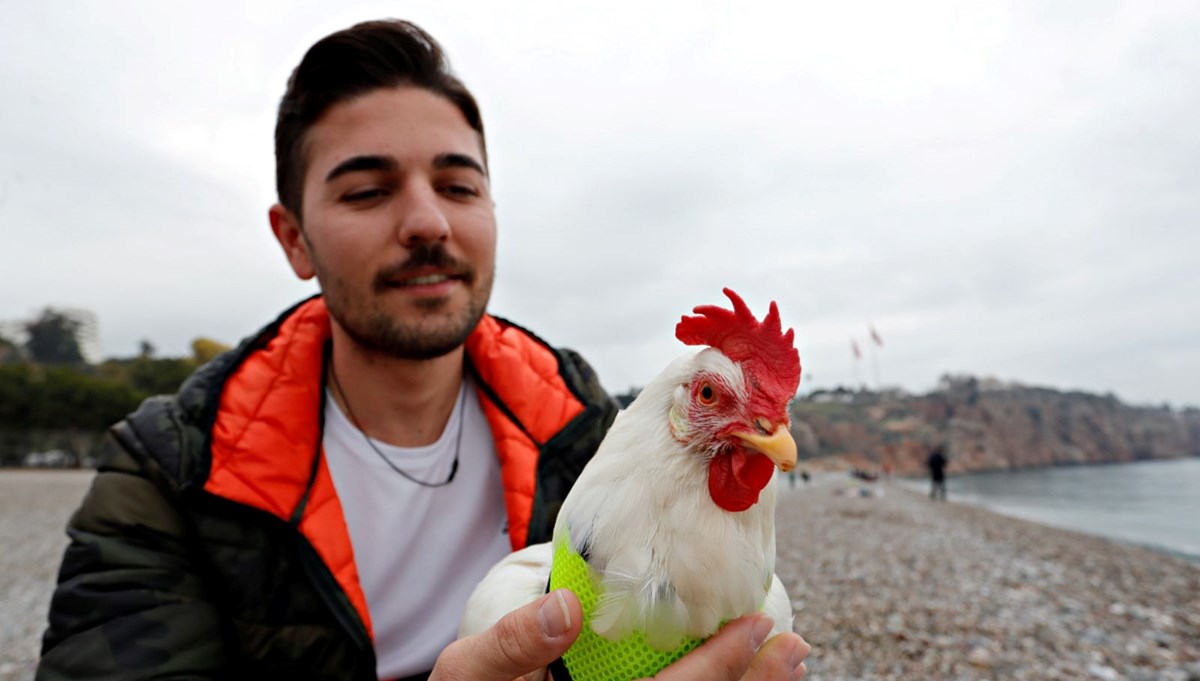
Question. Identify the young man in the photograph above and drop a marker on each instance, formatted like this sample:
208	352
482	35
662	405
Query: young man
319	502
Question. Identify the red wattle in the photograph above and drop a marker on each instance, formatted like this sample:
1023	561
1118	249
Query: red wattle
736	477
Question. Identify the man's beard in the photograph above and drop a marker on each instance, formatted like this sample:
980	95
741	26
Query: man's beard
431	335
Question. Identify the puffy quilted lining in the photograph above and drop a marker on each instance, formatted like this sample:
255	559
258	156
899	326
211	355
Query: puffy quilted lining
524	374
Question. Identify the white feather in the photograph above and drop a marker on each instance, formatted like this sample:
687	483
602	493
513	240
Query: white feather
519	579
778	607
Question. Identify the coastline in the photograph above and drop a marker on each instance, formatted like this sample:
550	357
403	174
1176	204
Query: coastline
1145	503
887	586
919	488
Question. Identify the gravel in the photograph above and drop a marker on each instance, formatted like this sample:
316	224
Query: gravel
886	584
34	508
890	585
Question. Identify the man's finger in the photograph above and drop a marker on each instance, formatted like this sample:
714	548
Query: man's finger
782	657
724	657
525	640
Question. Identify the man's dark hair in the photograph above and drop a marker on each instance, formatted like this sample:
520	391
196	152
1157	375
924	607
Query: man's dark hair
351	62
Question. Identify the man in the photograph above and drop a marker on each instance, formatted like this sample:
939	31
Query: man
937	473
319	502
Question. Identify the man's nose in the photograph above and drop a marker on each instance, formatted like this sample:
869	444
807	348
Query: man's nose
421	218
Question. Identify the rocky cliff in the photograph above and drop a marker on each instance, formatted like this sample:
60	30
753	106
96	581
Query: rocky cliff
985	425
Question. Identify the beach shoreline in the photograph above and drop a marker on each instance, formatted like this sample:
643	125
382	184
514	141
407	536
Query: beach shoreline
886	584
1150	504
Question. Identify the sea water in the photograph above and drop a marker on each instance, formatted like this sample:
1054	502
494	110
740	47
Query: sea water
1152	503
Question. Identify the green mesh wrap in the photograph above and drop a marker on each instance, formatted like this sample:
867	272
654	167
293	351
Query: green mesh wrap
593	657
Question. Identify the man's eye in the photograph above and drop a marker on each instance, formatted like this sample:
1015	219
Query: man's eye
362	195
460	190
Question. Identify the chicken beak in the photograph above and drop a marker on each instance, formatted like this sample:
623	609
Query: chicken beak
779	446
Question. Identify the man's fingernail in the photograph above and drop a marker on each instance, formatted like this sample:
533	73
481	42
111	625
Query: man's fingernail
797	660
799	653
760	631
554	615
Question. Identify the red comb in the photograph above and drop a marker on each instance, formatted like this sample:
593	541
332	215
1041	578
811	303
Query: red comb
742	338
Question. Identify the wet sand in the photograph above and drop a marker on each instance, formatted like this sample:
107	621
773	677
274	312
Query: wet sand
889	586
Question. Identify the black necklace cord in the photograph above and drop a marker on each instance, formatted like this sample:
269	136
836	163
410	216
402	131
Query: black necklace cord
462	417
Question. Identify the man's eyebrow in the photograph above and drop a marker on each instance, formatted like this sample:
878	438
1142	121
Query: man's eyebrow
458	161
361	163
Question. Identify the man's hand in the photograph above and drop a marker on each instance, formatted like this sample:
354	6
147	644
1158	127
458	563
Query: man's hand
526	640
737	653
520	645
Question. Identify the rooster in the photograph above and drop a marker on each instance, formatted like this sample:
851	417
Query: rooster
669	531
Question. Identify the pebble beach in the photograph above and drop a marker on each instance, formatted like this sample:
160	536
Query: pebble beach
886	583
34	508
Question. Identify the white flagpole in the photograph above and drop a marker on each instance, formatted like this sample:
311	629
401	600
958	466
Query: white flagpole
875	365
877	342
857	355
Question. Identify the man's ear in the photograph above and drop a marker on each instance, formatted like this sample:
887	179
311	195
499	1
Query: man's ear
287	231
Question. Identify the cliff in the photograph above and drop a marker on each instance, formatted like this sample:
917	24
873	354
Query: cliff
985	425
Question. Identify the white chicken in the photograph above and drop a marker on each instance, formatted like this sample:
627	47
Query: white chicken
669	531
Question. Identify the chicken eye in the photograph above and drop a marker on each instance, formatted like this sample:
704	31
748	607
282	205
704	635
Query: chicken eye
708	396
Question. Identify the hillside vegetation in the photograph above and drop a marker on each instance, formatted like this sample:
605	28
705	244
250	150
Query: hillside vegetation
985	425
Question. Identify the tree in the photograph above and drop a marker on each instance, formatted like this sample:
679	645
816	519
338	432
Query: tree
61	397
159	376
9	352
54	338
205	349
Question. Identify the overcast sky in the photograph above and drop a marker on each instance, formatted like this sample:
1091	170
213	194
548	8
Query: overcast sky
1003	189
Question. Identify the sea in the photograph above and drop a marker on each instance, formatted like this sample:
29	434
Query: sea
1151	503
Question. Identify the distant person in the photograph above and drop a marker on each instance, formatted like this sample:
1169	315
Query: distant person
937	473
792	478
804	476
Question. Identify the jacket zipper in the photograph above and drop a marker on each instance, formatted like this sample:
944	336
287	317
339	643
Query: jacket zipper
329	590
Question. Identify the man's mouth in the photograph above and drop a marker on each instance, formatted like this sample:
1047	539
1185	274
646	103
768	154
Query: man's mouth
428	265
424	280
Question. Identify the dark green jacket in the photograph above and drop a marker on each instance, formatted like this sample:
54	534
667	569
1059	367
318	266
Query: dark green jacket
198	554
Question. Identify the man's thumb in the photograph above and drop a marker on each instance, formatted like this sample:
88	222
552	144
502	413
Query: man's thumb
524	640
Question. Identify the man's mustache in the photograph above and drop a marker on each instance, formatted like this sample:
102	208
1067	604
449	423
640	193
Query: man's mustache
424	256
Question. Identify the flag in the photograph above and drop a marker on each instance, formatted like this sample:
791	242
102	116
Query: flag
875	336
854	347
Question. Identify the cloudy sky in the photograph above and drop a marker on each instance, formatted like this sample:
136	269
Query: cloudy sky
1007	189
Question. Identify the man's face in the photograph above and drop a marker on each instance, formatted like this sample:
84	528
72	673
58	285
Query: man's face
398	221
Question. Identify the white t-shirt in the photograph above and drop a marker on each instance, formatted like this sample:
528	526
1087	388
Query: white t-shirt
420	551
